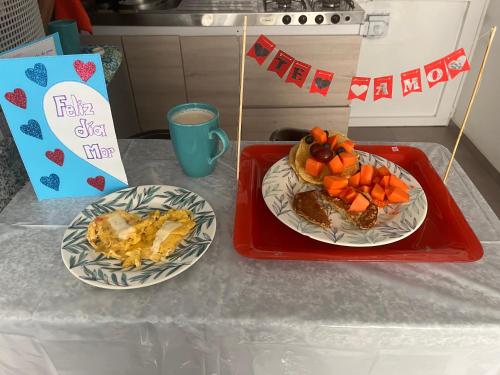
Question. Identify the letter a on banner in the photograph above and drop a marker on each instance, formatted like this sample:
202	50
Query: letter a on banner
457	62
382	87
321	82
359	88
298	73
280	63
411	81
261	49
436	72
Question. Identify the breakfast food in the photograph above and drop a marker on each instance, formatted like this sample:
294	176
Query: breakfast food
315	206
353	190
127	237
322	153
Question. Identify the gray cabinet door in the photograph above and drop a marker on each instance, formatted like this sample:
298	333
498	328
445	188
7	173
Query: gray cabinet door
211	68
157	77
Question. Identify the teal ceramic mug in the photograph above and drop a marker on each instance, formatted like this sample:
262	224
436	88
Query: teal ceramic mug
195	133
68	34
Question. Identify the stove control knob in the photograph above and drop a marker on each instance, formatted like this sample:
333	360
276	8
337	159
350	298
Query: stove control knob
319	19
335	18
302	19
287	19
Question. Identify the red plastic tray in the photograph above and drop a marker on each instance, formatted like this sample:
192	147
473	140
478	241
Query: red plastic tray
445	235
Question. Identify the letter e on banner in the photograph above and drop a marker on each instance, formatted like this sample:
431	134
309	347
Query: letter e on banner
280	63
435	72
382	87
457	62
298	73
359	88
321	82
411	81
261	49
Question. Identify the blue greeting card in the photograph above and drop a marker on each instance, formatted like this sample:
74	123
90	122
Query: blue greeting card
58	112
46	46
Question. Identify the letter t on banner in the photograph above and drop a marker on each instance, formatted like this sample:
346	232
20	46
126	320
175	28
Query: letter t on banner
280	63
261	49
382	87
411	81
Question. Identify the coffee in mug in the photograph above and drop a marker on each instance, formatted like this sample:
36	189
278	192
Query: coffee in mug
196	137
193	116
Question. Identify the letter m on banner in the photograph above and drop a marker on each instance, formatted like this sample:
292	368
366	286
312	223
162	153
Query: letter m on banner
411	81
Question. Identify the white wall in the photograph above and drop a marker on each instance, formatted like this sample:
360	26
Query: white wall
483	128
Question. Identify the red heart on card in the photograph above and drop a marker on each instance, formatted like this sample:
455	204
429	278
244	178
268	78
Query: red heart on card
57	156
97	182
17	97
84	70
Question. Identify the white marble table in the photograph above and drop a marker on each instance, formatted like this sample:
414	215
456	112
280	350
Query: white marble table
232	315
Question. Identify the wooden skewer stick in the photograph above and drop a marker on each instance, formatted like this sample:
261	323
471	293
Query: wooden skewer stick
471	101
242	80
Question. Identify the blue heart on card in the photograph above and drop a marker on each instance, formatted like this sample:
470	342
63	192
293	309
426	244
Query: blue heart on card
37	74
32	128
51	181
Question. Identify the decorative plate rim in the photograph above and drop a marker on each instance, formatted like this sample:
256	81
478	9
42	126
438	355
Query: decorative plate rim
336	237
205	227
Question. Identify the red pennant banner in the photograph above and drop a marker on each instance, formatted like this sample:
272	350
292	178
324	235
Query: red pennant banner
382	88
321	82
411	81
298	73
359	88
457	62
280	63
435	72
261	49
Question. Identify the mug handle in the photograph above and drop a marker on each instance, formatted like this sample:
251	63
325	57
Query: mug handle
225	143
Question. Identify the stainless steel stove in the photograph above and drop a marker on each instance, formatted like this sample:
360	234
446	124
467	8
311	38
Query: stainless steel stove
316	12
231	12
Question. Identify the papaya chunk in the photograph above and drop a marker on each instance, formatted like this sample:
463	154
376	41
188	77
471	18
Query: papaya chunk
348	159
335	182
334	192
333	141
314	167
383	171
359	204
365	189
348	195
397	195
354	180
319	135
367	172
348	146
396	182
335	165
377	192
384	181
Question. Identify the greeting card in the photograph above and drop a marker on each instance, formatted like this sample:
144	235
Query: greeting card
58	112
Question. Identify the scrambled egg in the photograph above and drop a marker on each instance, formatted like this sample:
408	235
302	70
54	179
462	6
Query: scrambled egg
125	236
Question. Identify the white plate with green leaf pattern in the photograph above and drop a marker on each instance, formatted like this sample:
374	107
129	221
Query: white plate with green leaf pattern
95	269
395	221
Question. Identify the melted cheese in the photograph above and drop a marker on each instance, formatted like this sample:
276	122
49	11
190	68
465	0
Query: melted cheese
120	226
162	234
